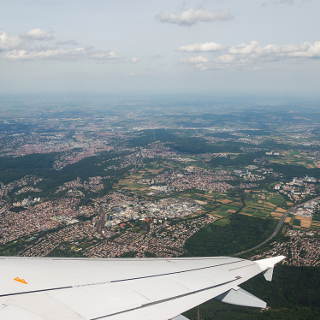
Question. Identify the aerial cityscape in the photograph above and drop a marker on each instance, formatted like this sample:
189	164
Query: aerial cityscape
114	183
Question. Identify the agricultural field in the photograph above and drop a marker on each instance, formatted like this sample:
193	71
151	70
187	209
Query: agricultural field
293	157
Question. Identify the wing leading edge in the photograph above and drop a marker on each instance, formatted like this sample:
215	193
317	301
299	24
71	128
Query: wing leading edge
123	289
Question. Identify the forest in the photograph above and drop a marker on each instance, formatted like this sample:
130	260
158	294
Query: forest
292	295
240	233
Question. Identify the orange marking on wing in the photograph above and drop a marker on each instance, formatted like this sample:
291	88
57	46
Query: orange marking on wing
20	280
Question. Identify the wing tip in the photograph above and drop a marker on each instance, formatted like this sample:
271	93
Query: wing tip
269	262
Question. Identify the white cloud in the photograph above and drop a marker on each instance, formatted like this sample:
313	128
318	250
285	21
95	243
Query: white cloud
202	47
191	17
104	55
226	58
8	42
254	55
38	34
307	50
197	59
23	54
30	46
61	54
198	62
254	50
246	48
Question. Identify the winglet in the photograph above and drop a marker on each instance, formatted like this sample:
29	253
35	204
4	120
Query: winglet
268	274
267	266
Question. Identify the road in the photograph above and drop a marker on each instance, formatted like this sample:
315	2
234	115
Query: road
276	230
274	233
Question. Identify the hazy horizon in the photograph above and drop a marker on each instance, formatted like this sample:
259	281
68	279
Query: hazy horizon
269	47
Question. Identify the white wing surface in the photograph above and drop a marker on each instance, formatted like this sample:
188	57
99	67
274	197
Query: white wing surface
122	289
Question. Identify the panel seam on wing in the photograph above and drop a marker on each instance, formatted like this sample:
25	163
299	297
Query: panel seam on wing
167	299
122	280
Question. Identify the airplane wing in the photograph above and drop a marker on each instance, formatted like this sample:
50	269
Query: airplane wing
122	289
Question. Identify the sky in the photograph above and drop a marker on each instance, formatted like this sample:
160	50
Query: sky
223	47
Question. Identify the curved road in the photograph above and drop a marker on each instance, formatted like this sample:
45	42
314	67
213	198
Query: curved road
276	230
274	233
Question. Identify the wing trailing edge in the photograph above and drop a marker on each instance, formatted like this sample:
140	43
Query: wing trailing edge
240	297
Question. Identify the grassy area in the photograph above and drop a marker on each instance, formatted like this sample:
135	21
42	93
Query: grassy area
278	200
293	157
222	222
256	210
263	203
226	210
